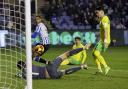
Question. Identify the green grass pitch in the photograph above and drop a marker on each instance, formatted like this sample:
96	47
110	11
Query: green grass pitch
117	78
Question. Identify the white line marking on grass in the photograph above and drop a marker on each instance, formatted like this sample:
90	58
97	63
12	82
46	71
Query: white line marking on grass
111	69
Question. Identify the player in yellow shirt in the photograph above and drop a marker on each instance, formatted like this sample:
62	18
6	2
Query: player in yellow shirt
78	58
104	42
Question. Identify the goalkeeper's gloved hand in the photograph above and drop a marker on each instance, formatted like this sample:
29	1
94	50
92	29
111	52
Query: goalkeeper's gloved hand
19	75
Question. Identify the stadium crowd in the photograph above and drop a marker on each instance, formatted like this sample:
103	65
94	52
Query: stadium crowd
73	14
78	14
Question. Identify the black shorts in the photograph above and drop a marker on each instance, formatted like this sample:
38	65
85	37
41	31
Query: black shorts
53	68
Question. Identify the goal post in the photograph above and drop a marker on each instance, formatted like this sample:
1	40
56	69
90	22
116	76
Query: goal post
15	43
28	43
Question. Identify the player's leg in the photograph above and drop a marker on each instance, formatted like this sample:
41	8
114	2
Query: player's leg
56	63
99	47
99	58
65	62
53	67
78	58
74	60
74	69
70	53
64	56
102	61
98	65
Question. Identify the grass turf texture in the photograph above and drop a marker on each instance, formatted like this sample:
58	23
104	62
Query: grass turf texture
117	57
117	78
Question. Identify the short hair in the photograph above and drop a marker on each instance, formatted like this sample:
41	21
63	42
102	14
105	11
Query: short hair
41	17
99	8
77	38
21	64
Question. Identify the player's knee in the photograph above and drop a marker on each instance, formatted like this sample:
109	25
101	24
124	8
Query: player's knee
65	55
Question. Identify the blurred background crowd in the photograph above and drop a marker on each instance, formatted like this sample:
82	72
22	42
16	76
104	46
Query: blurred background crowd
68	14
79	14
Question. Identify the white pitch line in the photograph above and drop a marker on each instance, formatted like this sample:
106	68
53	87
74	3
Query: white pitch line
111	69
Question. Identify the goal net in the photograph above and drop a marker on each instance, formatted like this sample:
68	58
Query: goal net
15	43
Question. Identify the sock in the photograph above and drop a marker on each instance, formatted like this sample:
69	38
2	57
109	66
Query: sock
98	65
75	51
100	58
102	61
72	70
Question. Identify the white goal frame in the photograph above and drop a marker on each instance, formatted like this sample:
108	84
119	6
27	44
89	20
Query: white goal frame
28	43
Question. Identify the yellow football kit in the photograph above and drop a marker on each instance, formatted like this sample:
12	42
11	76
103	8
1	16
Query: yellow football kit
104	25
76	59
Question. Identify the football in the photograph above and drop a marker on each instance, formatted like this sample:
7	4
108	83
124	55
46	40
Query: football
40	48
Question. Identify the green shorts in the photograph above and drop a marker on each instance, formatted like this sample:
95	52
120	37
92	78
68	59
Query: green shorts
100	46
74	61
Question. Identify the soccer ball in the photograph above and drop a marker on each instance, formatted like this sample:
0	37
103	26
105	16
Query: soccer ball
40	48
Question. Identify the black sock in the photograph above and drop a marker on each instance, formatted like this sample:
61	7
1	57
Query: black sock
72	70
75	51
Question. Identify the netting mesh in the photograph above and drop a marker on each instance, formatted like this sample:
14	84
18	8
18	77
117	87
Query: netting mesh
12	42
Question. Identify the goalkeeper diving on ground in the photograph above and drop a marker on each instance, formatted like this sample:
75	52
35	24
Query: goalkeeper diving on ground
51	70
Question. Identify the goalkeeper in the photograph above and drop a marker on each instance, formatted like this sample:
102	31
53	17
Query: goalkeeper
51	70
78	58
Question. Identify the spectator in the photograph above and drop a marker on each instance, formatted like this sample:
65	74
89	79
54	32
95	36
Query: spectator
76	12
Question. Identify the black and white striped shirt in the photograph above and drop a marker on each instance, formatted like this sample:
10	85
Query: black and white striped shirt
41	30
